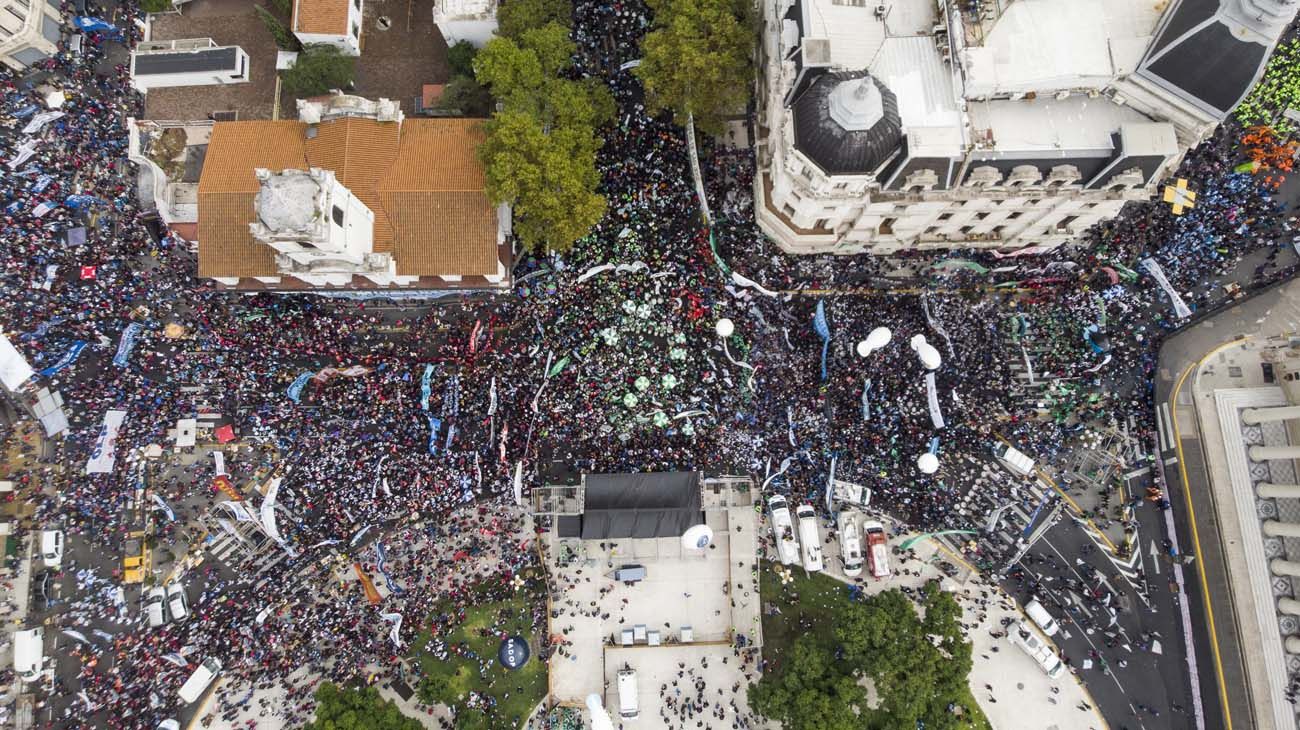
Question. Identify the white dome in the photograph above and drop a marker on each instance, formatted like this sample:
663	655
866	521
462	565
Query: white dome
856	104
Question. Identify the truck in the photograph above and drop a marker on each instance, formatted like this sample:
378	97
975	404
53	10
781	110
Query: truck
1037	649
877	549
787	545
810	537
850	528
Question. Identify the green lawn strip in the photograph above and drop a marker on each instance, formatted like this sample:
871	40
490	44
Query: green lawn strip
457	676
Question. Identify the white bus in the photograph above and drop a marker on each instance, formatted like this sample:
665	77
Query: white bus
787	547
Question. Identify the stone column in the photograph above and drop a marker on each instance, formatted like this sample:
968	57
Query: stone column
1256	416
1264	453
1273	528
1284	567
1269	490
1289	606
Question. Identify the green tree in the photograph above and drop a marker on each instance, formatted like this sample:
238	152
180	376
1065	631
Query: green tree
283	38
155	6
525	75
812	692
698	59
319	68
548	176
357	709
516	16
460	57
917	665
466	97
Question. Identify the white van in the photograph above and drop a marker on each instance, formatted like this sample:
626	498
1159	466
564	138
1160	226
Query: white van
29	654
1048	661
198	682
810	538
52	549
627	701
1035	611
1014	459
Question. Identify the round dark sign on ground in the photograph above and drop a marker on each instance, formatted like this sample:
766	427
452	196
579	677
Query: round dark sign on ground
513	653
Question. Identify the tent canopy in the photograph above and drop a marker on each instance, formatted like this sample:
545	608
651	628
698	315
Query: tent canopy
637	506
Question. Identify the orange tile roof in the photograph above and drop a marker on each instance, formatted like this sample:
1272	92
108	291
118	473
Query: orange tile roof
359	152
421	179
327	17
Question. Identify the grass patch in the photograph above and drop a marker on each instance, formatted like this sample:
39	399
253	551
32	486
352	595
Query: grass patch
809	606
469	678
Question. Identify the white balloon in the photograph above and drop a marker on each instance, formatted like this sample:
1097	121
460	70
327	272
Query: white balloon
697	537
724	327
879	337
930	357
928	463
599	717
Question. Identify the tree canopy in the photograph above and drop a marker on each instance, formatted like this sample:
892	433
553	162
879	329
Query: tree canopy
319	68
540	151
698	59
514	17
357	709
549	178
918	667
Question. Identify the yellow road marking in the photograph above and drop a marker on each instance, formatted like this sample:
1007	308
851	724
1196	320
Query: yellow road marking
1068	500
1191	514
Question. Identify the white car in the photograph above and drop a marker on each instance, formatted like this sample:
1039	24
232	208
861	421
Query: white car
52	549
1035	611
155	607
850	524
810	537
177	604
787	546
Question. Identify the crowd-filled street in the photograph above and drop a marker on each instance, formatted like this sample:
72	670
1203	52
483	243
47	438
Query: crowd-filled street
399	436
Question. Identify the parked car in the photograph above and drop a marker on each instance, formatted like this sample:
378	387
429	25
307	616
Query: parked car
177	604
787	545
155	607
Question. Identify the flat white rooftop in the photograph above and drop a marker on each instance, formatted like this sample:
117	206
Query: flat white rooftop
1051	125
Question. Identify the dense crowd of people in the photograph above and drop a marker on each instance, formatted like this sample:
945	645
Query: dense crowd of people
606	358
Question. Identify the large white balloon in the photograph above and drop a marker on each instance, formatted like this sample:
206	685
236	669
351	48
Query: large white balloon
599	717
878	338
697	537
724	327
928	463
930	357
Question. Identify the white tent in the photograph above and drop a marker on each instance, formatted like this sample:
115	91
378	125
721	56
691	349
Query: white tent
185	432
14	370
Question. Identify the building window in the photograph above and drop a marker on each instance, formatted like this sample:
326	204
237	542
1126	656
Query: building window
887	226
965	229
821	223
1066	221
945	216
356	4
981	215
853	3
337	214
356	31
787	209
998	230
1013	215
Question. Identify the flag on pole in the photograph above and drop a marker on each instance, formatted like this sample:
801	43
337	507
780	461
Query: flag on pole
823	329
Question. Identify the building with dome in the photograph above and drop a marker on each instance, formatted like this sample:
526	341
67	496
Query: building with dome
1012	126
